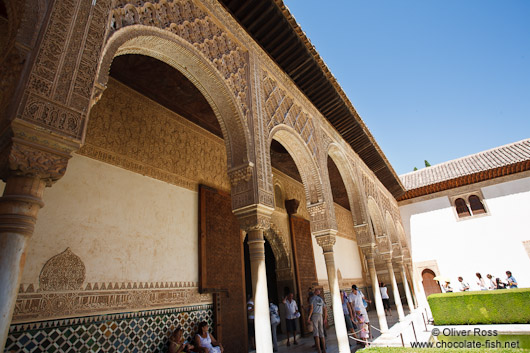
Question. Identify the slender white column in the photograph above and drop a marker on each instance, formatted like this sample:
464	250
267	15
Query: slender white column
383	326
407	290
19	206
338	314
262	323
395	290
416	287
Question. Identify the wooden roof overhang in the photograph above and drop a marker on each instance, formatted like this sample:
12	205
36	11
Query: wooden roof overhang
466	180
273	27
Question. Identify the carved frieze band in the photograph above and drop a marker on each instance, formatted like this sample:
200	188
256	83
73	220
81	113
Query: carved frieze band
99	298
128	130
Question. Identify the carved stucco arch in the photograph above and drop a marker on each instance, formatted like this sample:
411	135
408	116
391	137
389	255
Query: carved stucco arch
307	167
392	233
383	242
178	53
403	237
352	187
276	240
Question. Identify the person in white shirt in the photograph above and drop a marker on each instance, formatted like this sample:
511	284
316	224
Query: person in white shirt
356	300
292	314
386	299
464	286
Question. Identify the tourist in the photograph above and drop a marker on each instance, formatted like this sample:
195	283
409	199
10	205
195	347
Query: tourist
356	299
275	321
250	321
177	344
386	299
512	283
363	325
480	283
464	286
499	284
291	314
491	282
348	314
205	342
446	287
318	315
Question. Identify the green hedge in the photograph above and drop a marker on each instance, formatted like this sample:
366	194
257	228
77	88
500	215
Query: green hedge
504	306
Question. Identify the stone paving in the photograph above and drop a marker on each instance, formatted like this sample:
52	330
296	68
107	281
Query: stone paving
393	338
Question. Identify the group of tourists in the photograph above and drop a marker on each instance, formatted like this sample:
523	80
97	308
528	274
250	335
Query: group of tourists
490	283
203	342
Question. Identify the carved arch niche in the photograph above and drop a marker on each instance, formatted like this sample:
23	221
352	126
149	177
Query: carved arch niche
352	188
378	227
394	238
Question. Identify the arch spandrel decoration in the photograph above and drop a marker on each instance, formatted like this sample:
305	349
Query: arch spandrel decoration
280	108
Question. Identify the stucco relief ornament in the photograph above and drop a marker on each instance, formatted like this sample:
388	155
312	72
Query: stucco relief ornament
26	160
63	272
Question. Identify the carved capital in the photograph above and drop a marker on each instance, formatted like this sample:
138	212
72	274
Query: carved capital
33	153
239	174
254	217
326	239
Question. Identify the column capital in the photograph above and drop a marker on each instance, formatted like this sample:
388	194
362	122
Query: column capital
28	151
326	239
254	217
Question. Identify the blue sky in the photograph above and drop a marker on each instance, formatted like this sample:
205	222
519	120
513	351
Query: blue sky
434	80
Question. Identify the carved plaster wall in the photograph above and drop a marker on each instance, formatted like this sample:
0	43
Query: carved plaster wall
129	130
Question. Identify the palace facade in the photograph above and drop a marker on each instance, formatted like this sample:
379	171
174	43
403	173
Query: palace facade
163	160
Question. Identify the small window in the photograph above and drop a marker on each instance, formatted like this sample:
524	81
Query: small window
476	205
461	208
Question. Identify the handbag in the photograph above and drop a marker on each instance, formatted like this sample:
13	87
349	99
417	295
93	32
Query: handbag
365	303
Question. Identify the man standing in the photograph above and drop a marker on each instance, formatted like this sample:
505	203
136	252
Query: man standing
356	301
318	315
292	314
464	286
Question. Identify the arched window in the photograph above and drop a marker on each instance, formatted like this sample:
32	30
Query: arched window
461	208
476	205
278	196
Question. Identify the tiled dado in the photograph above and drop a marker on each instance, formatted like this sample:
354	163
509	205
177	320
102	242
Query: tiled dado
143	331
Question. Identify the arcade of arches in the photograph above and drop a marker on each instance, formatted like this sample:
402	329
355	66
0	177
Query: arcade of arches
158	166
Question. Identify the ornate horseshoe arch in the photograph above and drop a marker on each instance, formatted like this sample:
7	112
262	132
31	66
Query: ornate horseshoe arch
169	48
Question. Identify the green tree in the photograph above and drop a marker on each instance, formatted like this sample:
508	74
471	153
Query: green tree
427	164
415	169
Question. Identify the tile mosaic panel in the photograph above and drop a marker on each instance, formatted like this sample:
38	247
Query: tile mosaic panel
143	331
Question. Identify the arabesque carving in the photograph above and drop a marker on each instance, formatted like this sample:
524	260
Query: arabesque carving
65	271
280	108
30	161
104	297
192	23
129	130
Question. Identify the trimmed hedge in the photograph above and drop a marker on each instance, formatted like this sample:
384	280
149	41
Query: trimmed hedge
503	306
